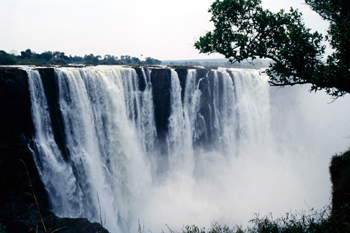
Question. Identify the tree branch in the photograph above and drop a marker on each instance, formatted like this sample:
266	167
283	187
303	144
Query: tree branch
288	84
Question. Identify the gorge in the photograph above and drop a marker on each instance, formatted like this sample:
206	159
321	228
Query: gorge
149	146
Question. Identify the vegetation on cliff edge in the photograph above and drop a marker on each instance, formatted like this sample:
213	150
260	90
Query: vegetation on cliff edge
29	57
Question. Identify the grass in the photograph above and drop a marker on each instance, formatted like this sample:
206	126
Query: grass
300	222
34	196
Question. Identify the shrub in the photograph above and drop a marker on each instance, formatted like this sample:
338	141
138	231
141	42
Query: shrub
2	228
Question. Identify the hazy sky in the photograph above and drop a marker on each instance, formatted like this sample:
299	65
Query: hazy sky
162	29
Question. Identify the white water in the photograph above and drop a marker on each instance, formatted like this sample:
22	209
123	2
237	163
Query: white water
267	150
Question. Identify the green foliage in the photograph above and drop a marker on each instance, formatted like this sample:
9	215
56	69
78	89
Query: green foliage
314	221
152	61
91	59
46	55
26	54
135	60
6	59
215	228
301	222
76	59
110	60
243	29
2	228
58	61
126	59
28	57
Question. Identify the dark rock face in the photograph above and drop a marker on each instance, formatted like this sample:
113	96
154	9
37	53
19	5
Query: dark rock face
340	177
16	128
142	83
15	115
50	84
182	73
161	81
18	208
68	225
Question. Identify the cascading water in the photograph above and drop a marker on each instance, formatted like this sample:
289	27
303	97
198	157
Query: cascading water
106	160
223	156
63	190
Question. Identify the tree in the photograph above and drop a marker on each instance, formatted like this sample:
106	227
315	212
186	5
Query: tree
152	61
76	59
126	59
6	59
27	54
135	60
58	61
46	55
61	55
244	30
91	59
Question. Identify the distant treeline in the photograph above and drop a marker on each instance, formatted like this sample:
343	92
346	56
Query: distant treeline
29	57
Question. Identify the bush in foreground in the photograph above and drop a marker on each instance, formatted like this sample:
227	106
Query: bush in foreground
300	222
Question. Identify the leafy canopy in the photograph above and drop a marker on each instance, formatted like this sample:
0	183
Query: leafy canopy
243	29
29	57
6	59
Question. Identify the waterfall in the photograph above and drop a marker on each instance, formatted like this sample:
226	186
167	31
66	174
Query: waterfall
63	191
106	159
220	156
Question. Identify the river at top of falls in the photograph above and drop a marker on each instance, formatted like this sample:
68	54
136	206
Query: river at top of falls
233	147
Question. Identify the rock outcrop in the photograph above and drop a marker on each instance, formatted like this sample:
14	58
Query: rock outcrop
340	177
